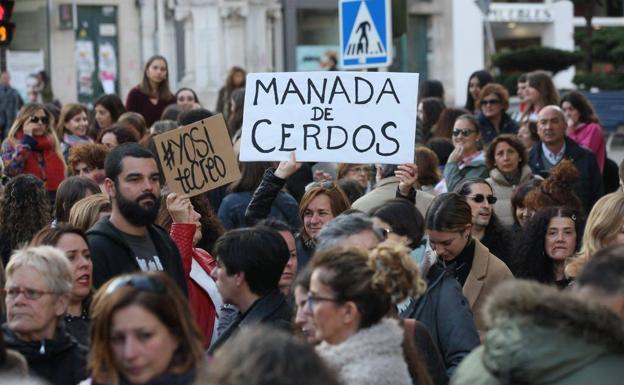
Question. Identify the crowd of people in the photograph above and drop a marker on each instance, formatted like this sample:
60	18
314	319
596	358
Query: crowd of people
495	257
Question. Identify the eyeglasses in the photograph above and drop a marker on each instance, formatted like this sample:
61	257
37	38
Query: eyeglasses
312	299
464	131
492	102
30	294
141	282
491	199
386	231
328	185
37	119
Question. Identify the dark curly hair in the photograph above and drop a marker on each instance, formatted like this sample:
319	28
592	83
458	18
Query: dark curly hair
24	210
530	260
513	142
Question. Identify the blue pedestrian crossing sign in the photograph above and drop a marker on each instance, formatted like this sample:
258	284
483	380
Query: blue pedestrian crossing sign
365	34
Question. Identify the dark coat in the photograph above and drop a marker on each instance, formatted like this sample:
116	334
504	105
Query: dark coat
488	131
429	352
272	309
233	207
260	207
589	185
112	256
61	360
446	314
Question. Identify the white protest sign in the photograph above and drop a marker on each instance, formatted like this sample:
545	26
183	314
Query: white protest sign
350	117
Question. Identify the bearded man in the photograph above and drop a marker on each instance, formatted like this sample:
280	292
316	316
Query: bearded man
128	240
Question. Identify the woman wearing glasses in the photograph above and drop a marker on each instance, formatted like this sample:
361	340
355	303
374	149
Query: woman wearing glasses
359	173
351	297
143	333
467	159
36	295
493	103
31	147
506	157
449	227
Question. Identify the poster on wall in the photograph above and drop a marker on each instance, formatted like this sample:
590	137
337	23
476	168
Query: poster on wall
85	66
23	67
107	67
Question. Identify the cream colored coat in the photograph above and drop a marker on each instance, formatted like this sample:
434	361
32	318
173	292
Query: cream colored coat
503	191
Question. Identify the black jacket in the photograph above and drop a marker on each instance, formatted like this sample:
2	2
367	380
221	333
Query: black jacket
488	131
260	207
446	314
60	361
589	185
272	309
112	256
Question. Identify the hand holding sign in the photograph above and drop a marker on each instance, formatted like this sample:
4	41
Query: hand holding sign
197	157
180	208
408	177
287	167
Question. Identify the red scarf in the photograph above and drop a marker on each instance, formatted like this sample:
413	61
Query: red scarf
43	162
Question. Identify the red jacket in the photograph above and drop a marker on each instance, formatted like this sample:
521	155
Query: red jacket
198	265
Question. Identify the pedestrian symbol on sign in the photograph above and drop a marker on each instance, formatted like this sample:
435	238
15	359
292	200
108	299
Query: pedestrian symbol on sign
365	33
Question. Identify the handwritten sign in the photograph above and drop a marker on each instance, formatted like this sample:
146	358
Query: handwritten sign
197	157
366	117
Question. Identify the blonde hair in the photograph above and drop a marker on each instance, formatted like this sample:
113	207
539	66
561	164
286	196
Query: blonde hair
24	114
48	261
374	281
605	221
396	271
86	212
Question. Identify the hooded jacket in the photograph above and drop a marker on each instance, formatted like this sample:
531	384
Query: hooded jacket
540	335
61	360
112	256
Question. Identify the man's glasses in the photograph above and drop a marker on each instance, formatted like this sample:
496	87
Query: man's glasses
463	131
491	102
312	300
37	119
479	198
141	282
31	294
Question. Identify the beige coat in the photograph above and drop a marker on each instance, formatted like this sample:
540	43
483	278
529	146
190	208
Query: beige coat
487	272
386	190
503	191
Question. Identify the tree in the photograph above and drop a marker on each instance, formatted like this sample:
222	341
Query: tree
588	8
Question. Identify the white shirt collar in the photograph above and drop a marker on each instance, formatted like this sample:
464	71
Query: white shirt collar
551	156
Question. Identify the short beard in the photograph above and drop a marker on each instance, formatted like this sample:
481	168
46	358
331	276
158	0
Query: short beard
136	214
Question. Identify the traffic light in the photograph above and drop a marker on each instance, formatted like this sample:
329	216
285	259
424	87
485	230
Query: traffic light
6	27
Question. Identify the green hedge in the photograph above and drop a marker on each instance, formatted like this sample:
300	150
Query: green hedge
603	81
534	58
